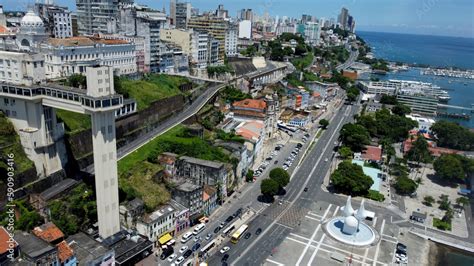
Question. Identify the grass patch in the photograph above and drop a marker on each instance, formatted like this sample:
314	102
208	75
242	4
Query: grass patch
74	122
441	225
149	89
10	144
375	195
139	181
319	134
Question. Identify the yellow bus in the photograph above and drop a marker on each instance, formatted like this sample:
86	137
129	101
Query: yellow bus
239	233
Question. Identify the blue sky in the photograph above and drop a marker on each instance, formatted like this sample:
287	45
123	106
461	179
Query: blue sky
433	17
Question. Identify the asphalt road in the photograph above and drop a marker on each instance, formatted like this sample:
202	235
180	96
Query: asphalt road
352	58
309	174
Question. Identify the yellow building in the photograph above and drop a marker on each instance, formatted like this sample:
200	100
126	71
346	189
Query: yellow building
216	27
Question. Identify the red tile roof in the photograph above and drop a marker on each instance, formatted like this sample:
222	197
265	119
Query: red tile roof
4	238
372	153
84	41
251	103
49	232
435	151
64	251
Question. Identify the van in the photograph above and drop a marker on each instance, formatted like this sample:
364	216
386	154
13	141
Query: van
199	228
186	237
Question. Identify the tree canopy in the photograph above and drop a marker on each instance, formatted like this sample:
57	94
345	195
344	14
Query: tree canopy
324	123
280	176
449	167
354	136
452	135
419	151
349	178
405	185
269	187
388	99
345	152
401	109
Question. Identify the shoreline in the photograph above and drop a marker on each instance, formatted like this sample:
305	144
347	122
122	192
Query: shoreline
441	254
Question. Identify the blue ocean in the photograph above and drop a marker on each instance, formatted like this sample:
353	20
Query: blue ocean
437	51
434	51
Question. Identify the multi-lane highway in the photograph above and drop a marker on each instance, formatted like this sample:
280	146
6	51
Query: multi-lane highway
309	174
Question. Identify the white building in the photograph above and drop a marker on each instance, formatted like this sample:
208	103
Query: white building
158	223
57	20
21	68
32	32
245	29
65	57
231	38
312	32
142	51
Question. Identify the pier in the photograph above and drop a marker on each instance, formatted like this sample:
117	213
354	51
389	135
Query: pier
443	106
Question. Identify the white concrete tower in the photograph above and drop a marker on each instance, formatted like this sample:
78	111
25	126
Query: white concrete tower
100	84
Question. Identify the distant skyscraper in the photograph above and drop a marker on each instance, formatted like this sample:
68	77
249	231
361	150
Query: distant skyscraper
183	14
246	14
173	12
95	16
221	12
343	18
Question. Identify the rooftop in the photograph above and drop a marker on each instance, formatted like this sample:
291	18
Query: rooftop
84	41
31	245
49	232
211	164
4	238
372	153
126	246
58	188
251	103
162	211
187	186
85	248
64	251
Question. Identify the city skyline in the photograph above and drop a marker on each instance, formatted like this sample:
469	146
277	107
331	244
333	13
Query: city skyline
453	18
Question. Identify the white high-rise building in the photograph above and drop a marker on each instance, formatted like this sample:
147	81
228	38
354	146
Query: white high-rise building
231	38
245	29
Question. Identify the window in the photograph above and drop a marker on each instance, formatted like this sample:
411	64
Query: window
6	101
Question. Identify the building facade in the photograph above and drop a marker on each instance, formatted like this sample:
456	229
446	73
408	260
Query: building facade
231	39
57	20
215	27
22	68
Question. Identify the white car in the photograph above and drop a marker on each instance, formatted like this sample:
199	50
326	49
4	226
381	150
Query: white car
183	249
179	260
225	249
326	160
172	257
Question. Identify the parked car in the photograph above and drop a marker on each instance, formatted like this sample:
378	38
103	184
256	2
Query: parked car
183	249
248	235
208	236
229	219
259	230
305	189
179	260
196	246
216	230
172	257
187	254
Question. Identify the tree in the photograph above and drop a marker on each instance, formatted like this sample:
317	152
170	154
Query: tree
349	178
428	200
388	99
462	201
29	220
401	109
405	186
419	151
452	135
269	187
249	176
324	123
354	136
77	81
449	167
444	203
345	152
352	93
280	176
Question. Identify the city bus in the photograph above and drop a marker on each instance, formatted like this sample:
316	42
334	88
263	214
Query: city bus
228	229
208	247
239	233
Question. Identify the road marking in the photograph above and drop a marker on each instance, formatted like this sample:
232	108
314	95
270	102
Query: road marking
316	250
297	196
375	222
335	212
309	217
365	255
312	237
378	244
274	262
314	214
291	228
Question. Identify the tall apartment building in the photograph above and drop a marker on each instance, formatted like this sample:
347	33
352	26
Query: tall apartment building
216	27
231	39
95	16
142	21
246	14
343	18
57	20
183	14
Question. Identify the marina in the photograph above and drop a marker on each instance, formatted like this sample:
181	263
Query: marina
451	73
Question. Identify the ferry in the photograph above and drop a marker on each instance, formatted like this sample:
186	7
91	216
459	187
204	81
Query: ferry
423	87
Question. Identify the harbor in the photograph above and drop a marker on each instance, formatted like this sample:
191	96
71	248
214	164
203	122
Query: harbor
445	72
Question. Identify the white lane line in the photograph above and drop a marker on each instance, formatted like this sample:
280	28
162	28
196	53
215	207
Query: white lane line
365	255
274	262
314	214
378	244
335	212
309	217
375	222
316	250
312	237
291	228
249	247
